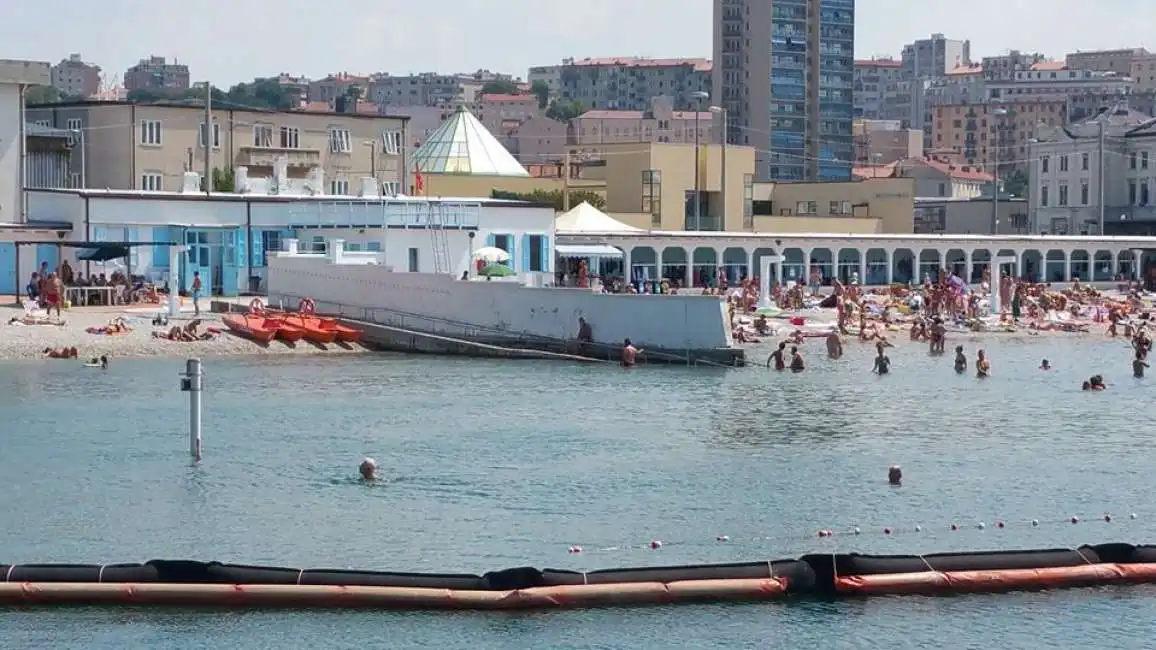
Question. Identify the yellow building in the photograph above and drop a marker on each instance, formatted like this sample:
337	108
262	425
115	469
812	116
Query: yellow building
651	185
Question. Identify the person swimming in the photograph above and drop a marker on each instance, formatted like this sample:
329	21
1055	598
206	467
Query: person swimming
895	475
960	359
368	469
1044	365
982	365
882	362
1138	365
797	364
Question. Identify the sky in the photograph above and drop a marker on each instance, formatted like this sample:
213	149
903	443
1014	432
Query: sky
229	41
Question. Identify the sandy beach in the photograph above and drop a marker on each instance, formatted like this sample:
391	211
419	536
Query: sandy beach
20	341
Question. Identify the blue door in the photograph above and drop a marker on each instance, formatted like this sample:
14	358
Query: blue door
8	284
197	260
229	262
48	253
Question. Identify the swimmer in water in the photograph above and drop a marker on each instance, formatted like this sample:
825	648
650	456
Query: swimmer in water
882	362
777	357
982	365
1139	364
1044	365
834	344
797	364
368	469
895	475
103	362
1097	382
960	360
629	353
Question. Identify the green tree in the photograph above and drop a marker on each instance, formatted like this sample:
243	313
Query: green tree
500	87
265	93
1016	183
42	95
542	92
565	110
552	197
224	180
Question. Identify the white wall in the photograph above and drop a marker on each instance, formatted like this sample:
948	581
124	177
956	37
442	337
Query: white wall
670	322
10	132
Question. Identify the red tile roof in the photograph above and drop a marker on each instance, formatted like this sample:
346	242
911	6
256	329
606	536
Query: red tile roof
1049	66
703	65
878	63
967	69
874	171
957	172
508	98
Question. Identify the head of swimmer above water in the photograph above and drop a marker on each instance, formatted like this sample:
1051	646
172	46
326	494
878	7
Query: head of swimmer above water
894	475
368	469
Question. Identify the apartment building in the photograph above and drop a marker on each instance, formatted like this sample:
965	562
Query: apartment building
128	146
1057	79
425	89
963	85
794	105
156	73
551	75
1064	190
1115	61
932	58
629	83
1004	67
1143	73
871	81
662	123
500	113
982	135
75	78
329	88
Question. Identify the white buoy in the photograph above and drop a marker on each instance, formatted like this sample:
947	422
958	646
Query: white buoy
191	383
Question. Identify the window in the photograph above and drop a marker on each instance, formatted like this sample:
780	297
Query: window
652	195
45	123
943	189
263	135
1044	196
1143	160
353	247
1044	164
391	142
73	125
150	133
319	244
807	207
413	265
1084	162
1063	163
390	188
152	181
216	135
339	141
1143	192
290	137
537	264
75	180
1083	192
373	246
1063	198
271	243
1132	160
1131	192
339	187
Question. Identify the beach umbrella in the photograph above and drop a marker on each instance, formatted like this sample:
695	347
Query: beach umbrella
496	271
491	255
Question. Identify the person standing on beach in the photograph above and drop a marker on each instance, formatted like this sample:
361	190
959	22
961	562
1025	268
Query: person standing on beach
196	293
777	357
53	294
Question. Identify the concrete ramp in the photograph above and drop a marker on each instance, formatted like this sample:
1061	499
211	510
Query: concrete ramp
398	339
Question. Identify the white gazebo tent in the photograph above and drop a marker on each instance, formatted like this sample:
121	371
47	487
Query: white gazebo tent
584	221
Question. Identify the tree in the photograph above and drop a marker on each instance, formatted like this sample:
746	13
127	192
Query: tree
224	180
552	197
1016	183
48	95
542	92
500	87
565	110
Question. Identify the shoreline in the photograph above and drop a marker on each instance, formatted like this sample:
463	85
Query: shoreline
19	342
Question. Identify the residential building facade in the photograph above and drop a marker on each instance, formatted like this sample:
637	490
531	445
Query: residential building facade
629	83
1056	79
871	81
1065	179
982	135
48	154
337	85
932	58
662	123
934	177
503	113
795	106
538	140
156	73
425	89
128	146
879	142
1118	62
1004	67
75	78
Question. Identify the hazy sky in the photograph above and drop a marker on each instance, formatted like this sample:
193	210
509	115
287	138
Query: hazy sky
236	40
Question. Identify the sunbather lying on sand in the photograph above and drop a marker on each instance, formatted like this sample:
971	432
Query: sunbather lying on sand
34	320
187	333
116	326
60	353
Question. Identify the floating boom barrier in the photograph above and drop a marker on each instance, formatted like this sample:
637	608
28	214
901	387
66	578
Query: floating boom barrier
186	583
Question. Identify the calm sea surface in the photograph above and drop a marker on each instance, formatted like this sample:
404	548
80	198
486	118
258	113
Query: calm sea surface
505	464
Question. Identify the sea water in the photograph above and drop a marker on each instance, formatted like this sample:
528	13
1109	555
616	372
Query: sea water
496	464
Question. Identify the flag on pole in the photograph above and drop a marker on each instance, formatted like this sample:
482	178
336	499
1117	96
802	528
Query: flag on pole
418	181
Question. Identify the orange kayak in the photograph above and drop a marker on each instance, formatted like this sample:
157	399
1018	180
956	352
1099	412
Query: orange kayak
310	328
252	327
288	332
340	332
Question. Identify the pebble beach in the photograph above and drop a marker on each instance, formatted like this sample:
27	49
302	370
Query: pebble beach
19	341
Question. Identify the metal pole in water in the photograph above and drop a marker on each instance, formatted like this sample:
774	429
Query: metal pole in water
191	383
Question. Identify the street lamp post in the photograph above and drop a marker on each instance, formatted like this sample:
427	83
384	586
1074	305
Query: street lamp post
999	129
722	112
699	96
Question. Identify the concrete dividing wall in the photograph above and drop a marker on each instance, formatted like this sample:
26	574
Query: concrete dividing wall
377	294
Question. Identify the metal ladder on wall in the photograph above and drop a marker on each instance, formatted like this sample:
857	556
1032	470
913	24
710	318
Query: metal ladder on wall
435	223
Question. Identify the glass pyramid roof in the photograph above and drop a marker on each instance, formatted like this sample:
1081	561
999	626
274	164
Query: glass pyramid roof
463	146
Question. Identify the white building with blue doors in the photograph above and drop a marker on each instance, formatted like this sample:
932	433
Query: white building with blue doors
227	237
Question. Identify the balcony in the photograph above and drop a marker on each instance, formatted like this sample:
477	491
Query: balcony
251	156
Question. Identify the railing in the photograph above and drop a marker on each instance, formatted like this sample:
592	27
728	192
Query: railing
428	324
387	213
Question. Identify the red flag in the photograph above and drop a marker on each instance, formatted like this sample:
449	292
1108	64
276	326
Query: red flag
418	181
